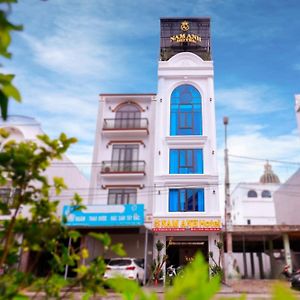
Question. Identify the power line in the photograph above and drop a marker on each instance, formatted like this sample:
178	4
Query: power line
102	194
264	159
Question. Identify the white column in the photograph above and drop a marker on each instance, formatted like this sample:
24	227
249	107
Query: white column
287	250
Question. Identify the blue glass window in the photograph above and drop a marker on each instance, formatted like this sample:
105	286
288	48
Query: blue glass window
186	161
186	112
186	200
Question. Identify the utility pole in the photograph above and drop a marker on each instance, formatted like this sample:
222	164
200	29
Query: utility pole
228	221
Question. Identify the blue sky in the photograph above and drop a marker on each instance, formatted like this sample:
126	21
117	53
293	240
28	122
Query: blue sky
70	51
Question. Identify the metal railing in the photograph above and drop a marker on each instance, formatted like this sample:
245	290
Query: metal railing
125	123
137	166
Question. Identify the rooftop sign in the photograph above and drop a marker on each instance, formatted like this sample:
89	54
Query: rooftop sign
185	35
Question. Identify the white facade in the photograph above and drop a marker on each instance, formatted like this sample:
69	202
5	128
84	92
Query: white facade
122	168
259	210
185	69
110	172
23	128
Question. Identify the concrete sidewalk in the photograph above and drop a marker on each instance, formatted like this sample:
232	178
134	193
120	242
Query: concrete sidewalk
238	286
254	289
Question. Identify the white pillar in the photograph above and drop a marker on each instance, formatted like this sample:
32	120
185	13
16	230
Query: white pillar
287	250
229	257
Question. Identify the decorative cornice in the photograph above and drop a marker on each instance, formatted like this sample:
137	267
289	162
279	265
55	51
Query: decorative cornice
186	140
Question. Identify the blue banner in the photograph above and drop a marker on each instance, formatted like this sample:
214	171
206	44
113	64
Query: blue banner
105	215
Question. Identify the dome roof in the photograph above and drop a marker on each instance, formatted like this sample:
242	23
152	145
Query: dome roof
269	176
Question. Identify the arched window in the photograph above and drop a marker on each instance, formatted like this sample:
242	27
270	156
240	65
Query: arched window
266	194
128	116
252	194
186	112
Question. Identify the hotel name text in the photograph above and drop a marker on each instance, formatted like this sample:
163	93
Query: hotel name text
186	37
165	224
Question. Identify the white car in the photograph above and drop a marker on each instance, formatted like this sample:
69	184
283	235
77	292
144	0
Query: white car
131	268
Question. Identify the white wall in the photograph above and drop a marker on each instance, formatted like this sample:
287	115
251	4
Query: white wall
287	204
260	211
286	199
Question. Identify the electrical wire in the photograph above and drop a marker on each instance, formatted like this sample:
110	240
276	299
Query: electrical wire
264	159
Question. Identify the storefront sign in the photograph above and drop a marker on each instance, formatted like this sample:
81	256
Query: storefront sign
193	224
105	215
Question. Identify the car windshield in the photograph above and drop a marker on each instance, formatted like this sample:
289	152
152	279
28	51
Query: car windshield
120	262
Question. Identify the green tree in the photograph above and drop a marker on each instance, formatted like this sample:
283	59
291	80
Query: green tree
7	89
22	168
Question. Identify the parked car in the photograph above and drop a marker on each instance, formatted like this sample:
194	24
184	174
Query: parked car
131	268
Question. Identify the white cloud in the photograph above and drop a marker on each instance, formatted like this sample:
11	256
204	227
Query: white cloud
66	104
249	99
68	55
257	145
77	44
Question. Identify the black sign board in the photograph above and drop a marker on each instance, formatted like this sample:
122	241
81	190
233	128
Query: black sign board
185	34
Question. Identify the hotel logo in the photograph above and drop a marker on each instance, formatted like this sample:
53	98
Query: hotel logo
185	26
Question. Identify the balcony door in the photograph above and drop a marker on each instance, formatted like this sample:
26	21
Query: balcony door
125	158
128	116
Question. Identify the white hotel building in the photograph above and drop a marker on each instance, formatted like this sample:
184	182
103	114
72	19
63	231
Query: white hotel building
157	152
186	209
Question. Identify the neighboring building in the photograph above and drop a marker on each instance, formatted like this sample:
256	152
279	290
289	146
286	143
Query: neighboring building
266	230
23	128
287	203
122	172
253	207
252	203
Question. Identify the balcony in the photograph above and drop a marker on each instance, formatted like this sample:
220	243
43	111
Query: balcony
125	127
123	168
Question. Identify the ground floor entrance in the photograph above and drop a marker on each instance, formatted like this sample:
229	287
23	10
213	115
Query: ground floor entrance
181	247
182	252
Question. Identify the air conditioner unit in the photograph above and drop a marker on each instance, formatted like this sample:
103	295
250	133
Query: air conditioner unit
107	170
